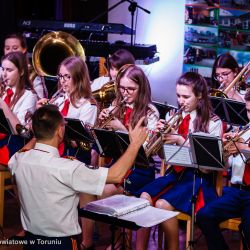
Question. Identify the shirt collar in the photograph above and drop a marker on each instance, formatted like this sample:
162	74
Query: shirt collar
192	114
47	148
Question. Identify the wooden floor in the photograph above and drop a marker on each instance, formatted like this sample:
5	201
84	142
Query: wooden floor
102	236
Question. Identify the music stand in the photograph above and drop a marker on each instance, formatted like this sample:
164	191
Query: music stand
76	131
163	108
5	126
114	143
230	111
205	152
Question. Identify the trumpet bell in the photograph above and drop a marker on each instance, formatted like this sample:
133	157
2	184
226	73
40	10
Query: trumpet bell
106	94
52	49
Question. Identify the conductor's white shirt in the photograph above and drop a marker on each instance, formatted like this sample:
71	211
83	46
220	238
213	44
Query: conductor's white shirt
48	188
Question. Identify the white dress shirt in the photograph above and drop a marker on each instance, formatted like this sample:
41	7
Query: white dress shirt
99	82
25	105
85	111
48	188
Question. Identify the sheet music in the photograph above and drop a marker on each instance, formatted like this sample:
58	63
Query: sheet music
177	155
149	216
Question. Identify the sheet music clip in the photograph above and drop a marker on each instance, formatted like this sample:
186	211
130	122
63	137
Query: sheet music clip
76	130
5	126
230	111
114	143
205	152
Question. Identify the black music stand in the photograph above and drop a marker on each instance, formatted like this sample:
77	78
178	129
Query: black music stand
114	143
204	152
75	130
230	111
114	223
163	108
5	126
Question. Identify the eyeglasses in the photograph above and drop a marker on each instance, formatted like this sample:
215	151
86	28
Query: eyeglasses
223	75
65	77
130	90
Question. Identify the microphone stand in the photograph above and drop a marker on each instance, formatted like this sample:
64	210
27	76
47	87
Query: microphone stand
132	8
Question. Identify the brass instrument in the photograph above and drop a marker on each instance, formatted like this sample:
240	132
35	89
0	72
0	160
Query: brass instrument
155	142
241	77
106	94
233	140
52	49
112	113
26	132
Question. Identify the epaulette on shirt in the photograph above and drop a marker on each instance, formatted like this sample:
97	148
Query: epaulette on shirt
72	158
23	150
215	118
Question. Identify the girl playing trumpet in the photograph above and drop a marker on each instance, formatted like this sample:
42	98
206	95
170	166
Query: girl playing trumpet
174	189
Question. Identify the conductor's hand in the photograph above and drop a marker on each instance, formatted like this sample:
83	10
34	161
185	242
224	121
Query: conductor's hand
41	102
138	135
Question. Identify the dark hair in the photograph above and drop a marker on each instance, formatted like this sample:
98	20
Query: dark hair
199	88
247	96
19	60
80	76
120	58
45	121
20	37
224	61
143	99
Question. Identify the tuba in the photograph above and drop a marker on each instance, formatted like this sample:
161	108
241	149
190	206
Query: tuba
106	94
51	49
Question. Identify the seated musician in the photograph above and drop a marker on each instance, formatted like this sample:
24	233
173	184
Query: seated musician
134	87
75	99
225	69
18	100
49	187
17	42
113	64
174	190
235	200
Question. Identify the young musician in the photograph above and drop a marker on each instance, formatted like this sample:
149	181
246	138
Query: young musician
114	63
18	99
225	69
174	190
75	100
49	209
133	87
17	42
235	200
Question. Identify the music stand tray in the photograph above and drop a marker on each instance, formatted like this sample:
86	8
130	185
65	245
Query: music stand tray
76	131
205	152
5	126
230	111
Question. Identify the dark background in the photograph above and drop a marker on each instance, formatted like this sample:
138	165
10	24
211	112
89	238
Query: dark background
60	10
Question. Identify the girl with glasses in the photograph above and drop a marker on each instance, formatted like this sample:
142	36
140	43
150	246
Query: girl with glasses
225	69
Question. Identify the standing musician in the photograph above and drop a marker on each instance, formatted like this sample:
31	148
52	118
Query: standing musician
76	100
225	69
49	209
17	42
18	100
235	200
174	190
114	63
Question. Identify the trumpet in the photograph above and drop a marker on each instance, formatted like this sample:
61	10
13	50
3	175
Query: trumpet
155	143
111	115
232	141
25	131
